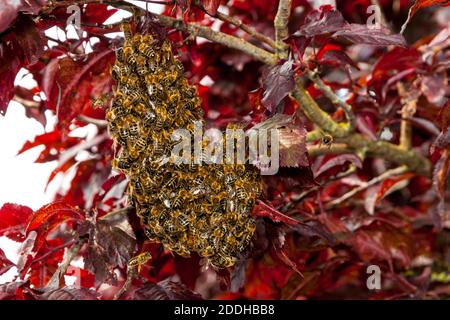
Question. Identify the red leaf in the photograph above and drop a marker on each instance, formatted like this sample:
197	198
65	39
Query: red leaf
54	143
29	38
71	85
5	264
391	64
11	290
278	81
264	210
57	210
375	194
97	13
47	218
440	178
13	219
434	87
211	6
10	64
338	161
336	58
362	34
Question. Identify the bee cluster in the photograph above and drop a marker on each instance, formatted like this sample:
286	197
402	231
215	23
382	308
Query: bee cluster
187	207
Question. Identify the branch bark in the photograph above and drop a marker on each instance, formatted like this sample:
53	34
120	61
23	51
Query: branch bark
409	106
316	114
281	27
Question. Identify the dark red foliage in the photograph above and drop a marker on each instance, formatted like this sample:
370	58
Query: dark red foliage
311	242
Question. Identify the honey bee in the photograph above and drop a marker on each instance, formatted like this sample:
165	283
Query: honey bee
173	97
183	221
170	77
120	56
132	81
141	66
241	193
186	207
327	140
148	51
129	55
207	251
183	195
139	260
136	40
191	92
148	38
126	29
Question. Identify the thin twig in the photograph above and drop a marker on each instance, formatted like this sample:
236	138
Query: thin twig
250	30
299	197
281	27
374	181
409	106
52	251
98	122
328	92
238	23
62	269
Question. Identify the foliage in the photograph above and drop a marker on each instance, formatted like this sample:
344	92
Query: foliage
335	207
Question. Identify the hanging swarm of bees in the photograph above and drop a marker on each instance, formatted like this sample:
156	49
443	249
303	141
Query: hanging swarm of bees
186	207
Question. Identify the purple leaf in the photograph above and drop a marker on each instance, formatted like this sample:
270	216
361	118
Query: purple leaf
164	290
69	293
362	34
338	161
278	81
321	22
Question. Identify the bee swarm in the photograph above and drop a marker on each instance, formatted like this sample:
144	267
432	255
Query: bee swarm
186	207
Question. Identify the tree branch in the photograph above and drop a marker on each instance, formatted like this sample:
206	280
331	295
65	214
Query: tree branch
281	27
374	181
315	114
336	148
328	92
